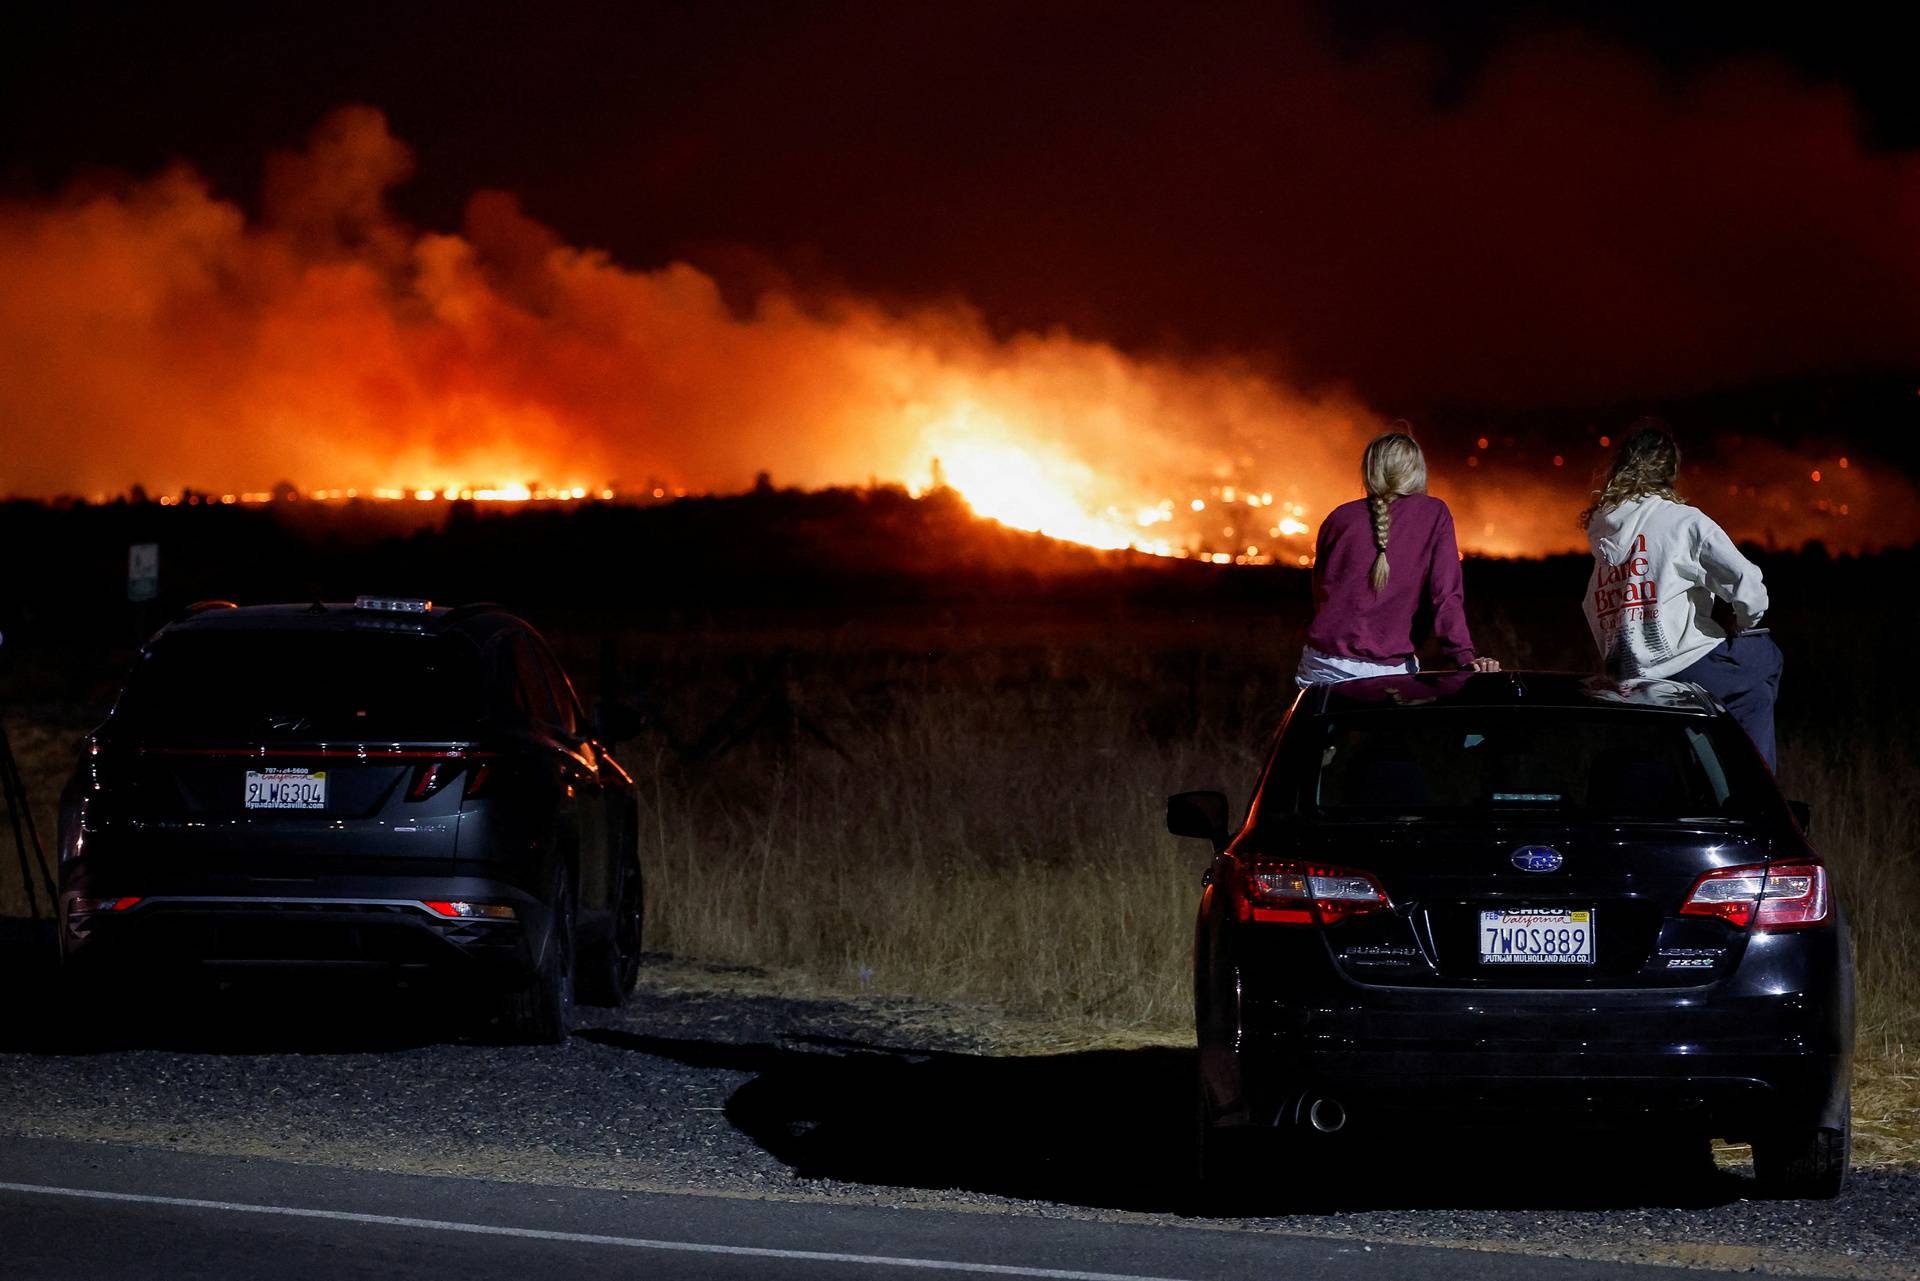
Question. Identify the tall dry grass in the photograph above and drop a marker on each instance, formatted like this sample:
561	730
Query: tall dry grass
982	823
993	833
997	836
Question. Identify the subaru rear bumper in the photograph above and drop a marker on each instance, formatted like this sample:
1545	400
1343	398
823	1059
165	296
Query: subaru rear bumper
1724	1058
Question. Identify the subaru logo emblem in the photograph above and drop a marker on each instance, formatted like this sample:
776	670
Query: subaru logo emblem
1537	858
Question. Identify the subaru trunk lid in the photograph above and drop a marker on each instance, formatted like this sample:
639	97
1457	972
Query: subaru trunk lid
1470	902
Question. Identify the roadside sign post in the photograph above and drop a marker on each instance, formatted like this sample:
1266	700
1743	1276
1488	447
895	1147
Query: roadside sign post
143	572
143	588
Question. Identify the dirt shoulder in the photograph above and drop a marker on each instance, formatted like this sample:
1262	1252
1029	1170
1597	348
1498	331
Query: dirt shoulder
711	1081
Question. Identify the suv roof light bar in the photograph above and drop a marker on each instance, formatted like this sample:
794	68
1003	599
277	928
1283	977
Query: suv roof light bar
392	604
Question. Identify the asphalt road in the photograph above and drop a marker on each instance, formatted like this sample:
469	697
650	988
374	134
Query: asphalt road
711	1112
88	1210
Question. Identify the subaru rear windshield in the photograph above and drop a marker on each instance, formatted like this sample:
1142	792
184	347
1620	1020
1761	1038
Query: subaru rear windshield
303	686
1481	762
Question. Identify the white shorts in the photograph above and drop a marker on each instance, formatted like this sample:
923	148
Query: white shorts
1323	669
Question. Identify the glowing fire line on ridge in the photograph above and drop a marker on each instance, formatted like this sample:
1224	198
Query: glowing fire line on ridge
1028	484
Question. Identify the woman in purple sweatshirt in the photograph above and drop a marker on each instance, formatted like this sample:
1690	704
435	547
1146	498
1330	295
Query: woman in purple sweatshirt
1386	574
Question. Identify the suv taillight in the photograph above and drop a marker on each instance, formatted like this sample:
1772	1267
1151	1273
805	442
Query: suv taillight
479	774
430	778
1286	893
1781	896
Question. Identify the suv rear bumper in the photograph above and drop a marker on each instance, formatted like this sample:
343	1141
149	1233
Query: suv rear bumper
360	921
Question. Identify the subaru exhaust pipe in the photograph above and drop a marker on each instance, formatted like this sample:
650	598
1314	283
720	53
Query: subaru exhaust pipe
1319	1112
1328	1116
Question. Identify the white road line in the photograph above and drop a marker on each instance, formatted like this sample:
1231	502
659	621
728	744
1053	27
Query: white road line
580	1238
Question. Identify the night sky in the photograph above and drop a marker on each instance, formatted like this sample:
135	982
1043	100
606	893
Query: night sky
1510	207
1508	204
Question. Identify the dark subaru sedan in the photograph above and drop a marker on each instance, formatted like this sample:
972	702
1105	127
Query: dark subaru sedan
1515	895
378	784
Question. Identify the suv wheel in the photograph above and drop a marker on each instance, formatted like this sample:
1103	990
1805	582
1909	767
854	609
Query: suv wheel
539	1009
607	978
1803	1164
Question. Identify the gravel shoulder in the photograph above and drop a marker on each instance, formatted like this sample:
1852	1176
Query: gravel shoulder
710	1081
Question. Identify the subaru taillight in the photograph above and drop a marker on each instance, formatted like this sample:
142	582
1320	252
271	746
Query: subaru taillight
1290	893
1781	896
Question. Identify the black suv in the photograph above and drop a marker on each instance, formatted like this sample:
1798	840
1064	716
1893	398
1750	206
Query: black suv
382	783
1502	896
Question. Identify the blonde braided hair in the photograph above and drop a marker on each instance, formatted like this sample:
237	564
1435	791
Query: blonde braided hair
1646	465
1392	467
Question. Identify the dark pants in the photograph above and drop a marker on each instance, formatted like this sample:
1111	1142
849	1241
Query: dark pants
1743	672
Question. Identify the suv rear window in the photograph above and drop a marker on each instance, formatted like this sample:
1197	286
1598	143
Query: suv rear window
1481	761
304	686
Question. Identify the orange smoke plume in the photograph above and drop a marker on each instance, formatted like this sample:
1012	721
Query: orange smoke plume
152	333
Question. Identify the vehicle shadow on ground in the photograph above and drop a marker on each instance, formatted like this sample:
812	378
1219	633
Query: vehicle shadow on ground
1108	1129
1113	1129
281	1013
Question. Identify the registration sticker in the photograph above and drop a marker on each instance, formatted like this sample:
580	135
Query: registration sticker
286	789
1536	936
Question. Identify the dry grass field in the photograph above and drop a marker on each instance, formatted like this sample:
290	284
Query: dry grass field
972	812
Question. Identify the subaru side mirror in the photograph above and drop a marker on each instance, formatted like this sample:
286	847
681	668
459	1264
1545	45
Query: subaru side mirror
1202	814
1803	815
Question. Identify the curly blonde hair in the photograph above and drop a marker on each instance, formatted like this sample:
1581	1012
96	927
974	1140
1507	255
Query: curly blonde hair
1392	467
1647	465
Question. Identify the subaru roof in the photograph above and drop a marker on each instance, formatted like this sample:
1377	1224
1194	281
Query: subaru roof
1507	689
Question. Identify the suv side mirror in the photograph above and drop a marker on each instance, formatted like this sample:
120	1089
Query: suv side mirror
614	722
1803	815
1199	814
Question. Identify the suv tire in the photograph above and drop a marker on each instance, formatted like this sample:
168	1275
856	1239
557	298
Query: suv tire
539	1009
609	971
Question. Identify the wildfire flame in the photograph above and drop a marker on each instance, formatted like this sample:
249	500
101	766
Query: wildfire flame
151	333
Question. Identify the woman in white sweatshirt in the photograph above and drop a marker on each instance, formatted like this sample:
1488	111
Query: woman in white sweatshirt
1658	567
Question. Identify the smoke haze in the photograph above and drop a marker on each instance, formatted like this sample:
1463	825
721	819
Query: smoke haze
153	333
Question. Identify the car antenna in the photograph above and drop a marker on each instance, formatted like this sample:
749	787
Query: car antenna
316	608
